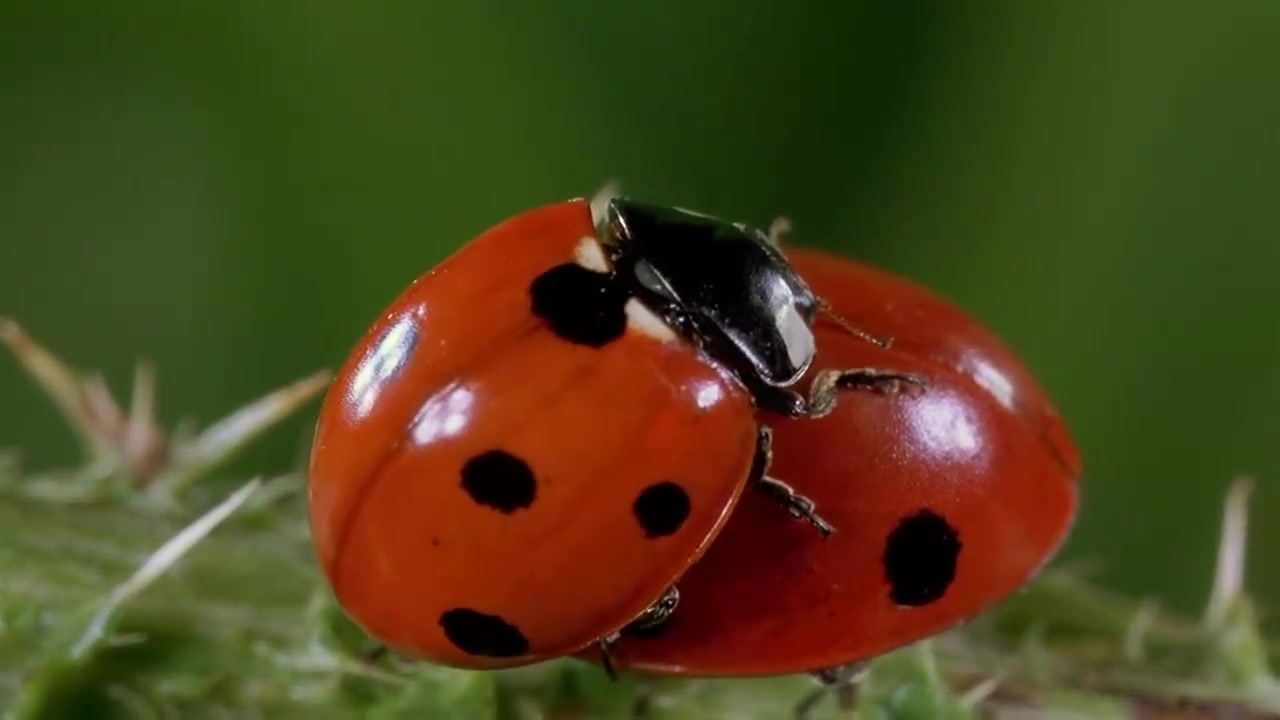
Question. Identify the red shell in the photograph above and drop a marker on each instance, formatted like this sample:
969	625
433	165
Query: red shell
981	446
459	366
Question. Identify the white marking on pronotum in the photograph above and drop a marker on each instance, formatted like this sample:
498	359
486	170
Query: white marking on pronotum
642	319
599	203
796	335
158	562
590	255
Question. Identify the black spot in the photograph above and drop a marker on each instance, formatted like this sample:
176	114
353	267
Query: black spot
920	557
476	633
581	306
499	480
661	508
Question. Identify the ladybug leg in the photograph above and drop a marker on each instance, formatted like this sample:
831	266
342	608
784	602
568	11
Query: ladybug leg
655	614
826	386
646	621
800	507
606	660
829	383
842	680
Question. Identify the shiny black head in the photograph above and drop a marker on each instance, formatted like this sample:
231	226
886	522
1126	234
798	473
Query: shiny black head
722	283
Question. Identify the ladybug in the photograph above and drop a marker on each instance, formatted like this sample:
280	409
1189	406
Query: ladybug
948	500
540	434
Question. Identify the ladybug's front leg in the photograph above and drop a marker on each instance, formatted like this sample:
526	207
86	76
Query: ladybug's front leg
842	680
829	383
821	401
800	507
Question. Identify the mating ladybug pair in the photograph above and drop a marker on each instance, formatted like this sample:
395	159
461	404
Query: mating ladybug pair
657	441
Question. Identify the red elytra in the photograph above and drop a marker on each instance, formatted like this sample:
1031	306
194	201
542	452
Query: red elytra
520	456
947	499
458	373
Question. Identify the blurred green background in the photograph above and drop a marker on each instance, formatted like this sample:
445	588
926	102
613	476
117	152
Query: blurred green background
236	189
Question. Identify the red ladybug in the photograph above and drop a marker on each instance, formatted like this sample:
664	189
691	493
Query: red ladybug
542	433
947	499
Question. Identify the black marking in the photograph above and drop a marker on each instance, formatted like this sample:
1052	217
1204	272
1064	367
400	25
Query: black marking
661	508
581	306
476	633
741	299
920	558
499	480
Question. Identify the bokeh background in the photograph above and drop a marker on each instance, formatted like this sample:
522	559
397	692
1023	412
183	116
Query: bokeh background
235	190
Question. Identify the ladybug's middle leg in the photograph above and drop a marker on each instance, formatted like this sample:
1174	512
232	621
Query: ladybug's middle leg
800	507
821	400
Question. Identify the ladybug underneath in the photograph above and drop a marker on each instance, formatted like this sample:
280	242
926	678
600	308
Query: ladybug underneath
540	435
948	501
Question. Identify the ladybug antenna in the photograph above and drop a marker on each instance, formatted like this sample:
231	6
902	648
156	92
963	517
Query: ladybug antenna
825	308
779	230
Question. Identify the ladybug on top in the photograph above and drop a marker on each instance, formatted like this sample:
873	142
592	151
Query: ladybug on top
543	433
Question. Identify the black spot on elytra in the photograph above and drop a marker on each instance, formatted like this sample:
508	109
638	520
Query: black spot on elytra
920	558
581	306
661	508
499	480
476	633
